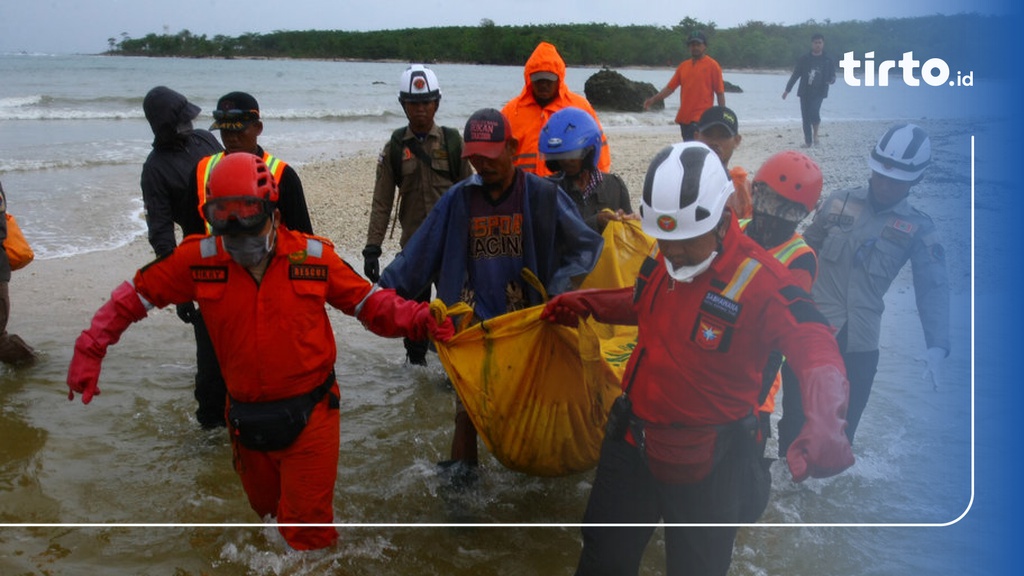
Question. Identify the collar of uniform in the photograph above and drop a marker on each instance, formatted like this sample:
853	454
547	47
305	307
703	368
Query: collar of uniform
434	132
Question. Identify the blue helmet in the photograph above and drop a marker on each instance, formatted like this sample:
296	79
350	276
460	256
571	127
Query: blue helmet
570	133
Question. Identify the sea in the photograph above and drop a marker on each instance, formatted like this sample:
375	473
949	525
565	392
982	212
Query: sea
130	485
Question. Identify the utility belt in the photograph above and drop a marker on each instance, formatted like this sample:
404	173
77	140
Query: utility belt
268	426
677	454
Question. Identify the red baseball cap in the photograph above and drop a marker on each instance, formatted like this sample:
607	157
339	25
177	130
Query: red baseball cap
486	133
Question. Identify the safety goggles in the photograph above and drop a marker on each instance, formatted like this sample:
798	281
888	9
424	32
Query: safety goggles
237	214
235	115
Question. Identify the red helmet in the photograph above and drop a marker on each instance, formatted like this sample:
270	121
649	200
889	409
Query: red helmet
241	194
793	176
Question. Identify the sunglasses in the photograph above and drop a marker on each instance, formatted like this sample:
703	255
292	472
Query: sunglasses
236	114
237	214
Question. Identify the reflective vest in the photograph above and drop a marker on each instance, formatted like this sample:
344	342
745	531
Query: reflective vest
788	251
205	168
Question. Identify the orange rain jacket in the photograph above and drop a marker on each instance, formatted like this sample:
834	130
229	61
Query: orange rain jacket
527	117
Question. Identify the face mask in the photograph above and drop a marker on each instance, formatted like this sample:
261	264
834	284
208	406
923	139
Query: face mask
248	251
688	273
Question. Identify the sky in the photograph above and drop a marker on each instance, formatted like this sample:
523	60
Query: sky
84	26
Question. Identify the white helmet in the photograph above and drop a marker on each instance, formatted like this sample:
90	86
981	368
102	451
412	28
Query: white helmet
684	192
419	84
902	153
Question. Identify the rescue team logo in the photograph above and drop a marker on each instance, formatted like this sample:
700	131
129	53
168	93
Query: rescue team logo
667	223
709	334
317	272
217	274
934	71
297	257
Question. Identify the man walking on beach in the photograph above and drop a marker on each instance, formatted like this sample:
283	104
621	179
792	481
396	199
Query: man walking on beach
169	195
700	82
545	93
480	236
816	72
263	290
422	160
681	445
863	238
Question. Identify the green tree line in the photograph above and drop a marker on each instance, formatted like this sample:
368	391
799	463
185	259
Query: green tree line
753	45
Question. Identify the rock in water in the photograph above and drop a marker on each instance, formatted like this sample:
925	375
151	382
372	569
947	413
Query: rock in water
609	90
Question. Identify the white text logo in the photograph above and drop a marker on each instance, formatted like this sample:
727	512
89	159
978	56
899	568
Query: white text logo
934	71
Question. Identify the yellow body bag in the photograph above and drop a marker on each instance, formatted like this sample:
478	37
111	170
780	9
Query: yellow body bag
539	393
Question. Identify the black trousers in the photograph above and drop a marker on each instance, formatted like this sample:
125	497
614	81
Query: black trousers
810	113
625	492
861	368
211	392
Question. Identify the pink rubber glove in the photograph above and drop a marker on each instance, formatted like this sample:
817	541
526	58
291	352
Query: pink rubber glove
110	321
822	448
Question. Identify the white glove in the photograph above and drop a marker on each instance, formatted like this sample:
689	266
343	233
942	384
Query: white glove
933	366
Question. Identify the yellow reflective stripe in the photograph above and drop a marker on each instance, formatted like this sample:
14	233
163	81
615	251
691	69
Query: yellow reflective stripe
203	176
741	279
790	250
275	165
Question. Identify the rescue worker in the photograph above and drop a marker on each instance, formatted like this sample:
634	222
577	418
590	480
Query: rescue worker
421	160
570	145
480	236
262	288
13	350
863	238
237	117
169	195
544	93
786	190
700	82
680	446
719	128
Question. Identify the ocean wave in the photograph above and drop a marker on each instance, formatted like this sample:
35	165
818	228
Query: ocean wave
111	158
53	244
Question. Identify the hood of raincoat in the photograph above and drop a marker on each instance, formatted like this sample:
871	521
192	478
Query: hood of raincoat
165	110
545	58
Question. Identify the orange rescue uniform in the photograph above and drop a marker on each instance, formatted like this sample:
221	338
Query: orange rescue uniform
274	341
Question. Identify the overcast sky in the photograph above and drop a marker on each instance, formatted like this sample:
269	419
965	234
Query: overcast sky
83	26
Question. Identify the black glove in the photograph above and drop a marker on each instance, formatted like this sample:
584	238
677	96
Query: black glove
187	312
371	262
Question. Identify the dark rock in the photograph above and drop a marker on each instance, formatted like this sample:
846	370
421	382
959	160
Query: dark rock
609	90
730	87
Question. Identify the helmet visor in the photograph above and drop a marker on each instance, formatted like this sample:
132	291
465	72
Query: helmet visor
237	214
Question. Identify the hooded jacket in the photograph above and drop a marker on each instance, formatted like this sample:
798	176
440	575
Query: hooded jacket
528	117
168	191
